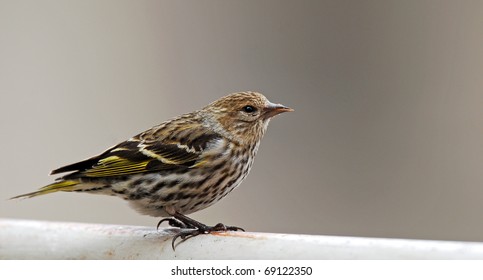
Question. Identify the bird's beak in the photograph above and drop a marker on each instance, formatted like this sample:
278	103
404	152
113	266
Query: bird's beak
273	109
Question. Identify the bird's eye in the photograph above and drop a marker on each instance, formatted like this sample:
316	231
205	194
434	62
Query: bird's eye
249	109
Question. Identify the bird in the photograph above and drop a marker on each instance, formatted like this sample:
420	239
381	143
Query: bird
180	166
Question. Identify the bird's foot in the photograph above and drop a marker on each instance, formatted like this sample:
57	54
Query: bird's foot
191	228
190	232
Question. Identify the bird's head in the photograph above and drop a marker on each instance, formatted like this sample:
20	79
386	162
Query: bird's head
244	115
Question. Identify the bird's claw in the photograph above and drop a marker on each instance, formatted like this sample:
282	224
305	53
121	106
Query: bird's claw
184	235
172	222
222	227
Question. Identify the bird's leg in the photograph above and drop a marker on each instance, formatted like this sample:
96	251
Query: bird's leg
197	228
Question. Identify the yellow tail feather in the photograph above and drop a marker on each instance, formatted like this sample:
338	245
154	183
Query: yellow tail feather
68	185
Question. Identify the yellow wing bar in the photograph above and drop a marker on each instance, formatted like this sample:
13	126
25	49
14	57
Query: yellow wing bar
115	166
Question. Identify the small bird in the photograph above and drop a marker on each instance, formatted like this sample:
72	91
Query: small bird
180	166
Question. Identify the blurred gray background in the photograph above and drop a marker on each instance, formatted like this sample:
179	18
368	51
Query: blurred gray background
386	139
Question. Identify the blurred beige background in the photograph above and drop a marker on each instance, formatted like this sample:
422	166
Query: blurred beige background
386	140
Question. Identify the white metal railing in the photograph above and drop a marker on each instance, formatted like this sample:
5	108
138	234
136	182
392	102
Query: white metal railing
23	239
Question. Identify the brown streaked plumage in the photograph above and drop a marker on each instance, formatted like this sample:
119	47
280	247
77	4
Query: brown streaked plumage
182	165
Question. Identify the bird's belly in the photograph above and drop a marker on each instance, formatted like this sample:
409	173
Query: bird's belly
188	192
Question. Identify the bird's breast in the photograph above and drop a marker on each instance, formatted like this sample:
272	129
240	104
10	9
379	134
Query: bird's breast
217	178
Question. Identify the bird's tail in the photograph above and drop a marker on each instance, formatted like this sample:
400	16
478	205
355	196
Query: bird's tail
65	186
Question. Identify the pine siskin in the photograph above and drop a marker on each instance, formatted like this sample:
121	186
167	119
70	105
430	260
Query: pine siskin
182	165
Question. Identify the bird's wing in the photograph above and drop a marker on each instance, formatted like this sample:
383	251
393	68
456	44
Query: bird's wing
146	152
